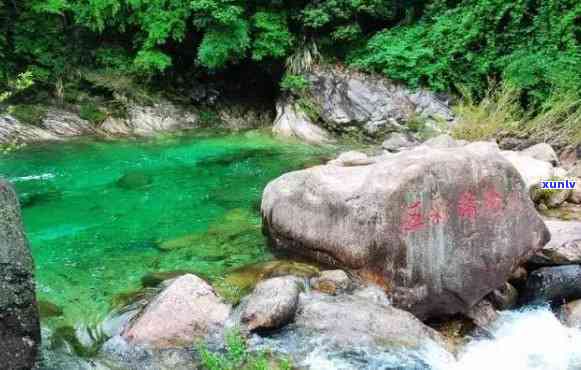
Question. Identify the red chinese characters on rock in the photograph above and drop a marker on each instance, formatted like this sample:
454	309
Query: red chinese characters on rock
467	206
412	219
438	213
493	200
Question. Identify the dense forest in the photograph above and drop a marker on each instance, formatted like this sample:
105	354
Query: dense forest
458	46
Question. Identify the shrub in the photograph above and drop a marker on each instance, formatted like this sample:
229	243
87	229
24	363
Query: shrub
295	84
92	113
31	114
237	357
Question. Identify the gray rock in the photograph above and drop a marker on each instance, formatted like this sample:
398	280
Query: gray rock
332	282
483	313
374	294
397	141
542	152
272	304
19	321
292	122
353	321
552	284
575	170
504	298
443	233
564	248
558	197
532	170
352	158
441	142
186	311
372	104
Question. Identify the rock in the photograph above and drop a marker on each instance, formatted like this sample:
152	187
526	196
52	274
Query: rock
134	181
564	248
504	298
19	321
352	158
372	105
543	152
292	122
575	171
148	120
552	284
153	279
397	141
441	142
483	313
532	170
186	311
241	281
443	233
372	293
353	321
570	314
272	304
514	143
332	282
557	197
48	309
575	196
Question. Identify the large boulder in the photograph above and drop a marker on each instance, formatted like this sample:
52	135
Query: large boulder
186	311
439	228
292	122
564	247
19	322
372	105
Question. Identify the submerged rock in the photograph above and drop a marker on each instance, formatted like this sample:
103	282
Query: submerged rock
186	311
241	281
134	181
552	284
48	309
272	304
443	233
19	321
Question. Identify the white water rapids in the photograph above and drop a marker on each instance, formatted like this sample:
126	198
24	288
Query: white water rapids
528	339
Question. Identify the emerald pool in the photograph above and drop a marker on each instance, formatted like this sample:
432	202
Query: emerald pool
101	215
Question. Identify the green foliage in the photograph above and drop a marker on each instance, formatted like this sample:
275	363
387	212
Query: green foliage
31	114
223	44
296	84
272	36
237	357
532	45
91	112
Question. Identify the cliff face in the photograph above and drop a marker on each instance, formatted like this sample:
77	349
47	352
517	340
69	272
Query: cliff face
19	322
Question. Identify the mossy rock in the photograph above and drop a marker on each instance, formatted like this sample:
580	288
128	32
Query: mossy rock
134	181
48	309
240	282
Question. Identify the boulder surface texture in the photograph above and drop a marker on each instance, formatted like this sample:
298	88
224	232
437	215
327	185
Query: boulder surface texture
19	323
438	228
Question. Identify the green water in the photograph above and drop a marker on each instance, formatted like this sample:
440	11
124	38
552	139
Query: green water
101	215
